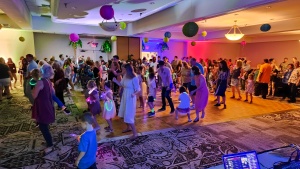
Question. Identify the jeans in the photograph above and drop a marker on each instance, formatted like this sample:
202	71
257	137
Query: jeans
57	101
166	94
285	91
264	89
44	128
293	90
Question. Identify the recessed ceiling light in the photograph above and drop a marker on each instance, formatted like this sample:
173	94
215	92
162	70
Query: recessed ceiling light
130	14
152	3
268	7
236	14
271	19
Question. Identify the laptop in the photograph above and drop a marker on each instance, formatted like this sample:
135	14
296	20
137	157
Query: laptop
245	160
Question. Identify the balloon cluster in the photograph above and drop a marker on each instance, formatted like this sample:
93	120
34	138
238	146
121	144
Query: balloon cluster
162	46
167	37
75	40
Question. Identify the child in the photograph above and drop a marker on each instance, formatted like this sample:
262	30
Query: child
93	102
109	111
141	80
35	74
151	94
184	105
250	87
88	143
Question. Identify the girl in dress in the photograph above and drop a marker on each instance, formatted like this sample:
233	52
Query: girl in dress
184	105
201	93
93	102
250	87
222	83
109	110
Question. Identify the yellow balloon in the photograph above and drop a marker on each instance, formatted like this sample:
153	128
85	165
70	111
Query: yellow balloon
204	33
166	39
22	39
113	38
146	40
122	25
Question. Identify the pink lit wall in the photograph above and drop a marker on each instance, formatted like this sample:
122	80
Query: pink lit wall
256	52
176	48
212	50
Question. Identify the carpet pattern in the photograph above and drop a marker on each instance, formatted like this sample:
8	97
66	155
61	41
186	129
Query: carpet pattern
193	148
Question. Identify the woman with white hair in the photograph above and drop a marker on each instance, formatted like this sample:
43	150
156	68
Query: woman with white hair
43	104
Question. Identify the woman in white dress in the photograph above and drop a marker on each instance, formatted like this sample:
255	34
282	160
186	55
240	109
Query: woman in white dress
131	88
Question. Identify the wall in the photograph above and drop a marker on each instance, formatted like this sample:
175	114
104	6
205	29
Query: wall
12	47
48	45
210	50
176	48
256	52
128	46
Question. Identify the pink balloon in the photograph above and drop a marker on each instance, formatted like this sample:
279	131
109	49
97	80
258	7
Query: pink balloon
107	12
243	43
74	37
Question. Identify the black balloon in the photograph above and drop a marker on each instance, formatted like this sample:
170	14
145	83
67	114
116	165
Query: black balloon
265	27
190	29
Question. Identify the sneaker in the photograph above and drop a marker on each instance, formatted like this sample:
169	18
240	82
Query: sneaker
151	114
192	107
67	111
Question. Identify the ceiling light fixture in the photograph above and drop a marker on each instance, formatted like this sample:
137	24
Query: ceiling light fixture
234	36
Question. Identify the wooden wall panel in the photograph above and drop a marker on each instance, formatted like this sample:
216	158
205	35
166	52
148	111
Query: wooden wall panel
134	47
122	47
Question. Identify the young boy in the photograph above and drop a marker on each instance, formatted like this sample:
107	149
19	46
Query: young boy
88	144
151	94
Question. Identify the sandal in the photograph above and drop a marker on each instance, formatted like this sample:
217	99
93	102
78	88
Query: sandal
126	131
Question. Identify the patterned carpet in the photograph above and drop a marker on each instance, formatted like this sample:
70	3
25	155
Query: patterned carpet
193	148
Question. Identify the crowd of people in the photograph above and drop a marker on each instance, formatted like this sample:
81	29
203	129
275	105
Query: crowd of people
137	82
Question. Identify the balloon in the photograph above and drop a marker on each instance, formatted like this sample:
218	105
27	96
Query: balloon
113	38
243	43
122	25
265	27
22	39
74	37
168	34
107	12
146	40
190	29
193	43
204	33
166	39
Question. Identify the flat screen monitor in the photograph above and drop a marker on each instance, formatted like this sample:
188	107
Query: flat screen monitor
245	160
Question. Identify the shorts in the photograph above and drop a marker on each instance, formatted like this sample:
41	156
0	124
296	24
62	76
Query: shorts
234	82
181	110
191	88
4	82
150	99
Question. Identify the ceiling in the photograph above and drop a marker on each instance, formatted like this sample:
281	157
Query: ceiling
87	13
38	7
1	12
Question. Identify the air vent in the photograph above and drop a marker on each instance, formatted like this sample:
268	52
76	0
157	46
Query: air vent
5	25
46	16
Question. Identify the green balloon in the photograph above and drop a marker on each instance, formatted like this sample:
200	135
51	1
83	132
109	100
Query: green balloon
190	29
122	25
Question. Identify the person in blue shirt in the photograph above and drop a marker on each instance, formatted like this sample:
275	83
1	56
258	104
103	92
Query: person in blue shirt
31	65
285	79
193	86
88	144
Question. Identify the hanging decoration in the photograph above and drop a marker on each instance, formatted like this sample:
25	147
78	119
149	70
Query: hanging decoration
168	34
106	46
190	29
166	40
107	12
146	40
122	25
143	45
22	39
113	38
76	44
74	37
162	46
109	26
193	43
93	44
204	34
234	36
243	43
265	27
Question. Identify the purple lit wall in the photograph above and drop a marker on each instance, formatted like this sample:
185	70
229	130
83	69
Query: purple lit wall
176	48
